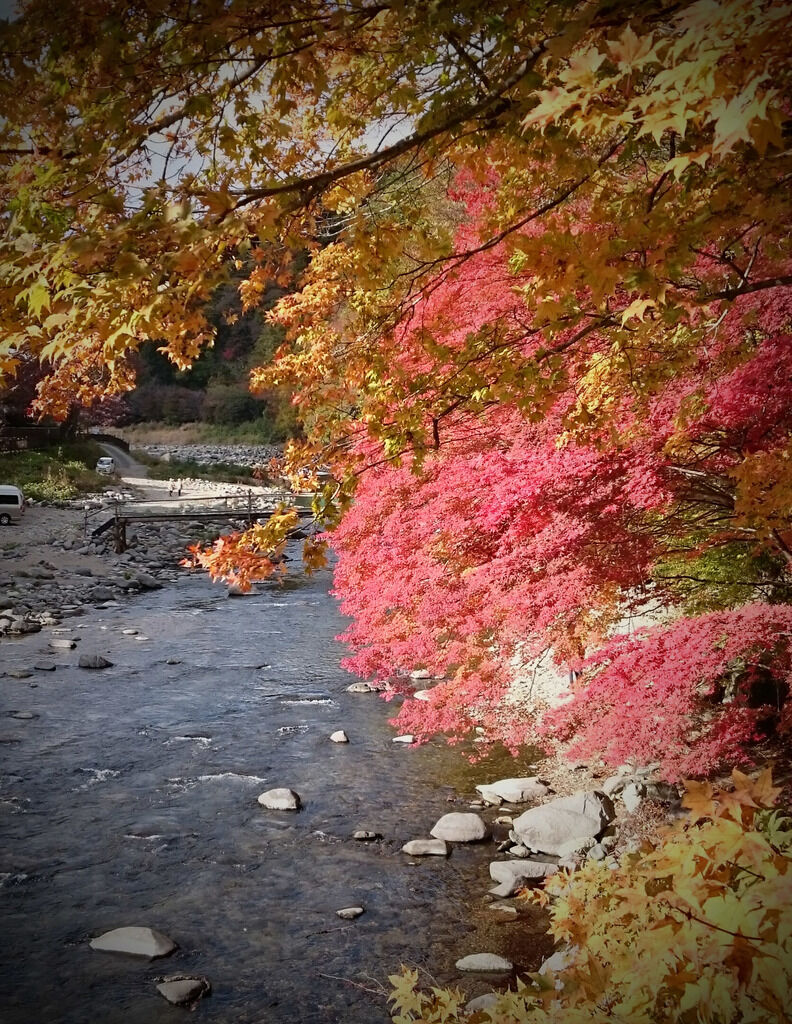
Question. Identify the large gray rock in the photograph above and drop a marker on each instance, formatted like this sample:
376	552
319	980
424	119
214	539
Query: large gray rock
135	941
514	791
460	827
93	661
184	990
549	827
512	875
485	963
280	799
426	848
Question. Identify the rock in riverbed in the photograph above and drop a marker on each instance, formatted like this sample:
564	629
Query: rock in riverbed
364	836
350	913
93	661
512	875
485	963
514	791
339	737
135	941
426	848
183	989
459	827
361	687
280	799
551	826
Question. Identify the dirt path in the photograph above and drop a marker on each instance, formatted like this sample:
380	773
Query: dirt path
134	474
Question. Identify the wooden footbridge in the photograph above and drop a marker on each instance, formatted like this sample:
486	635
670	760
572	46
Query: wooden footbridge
246	506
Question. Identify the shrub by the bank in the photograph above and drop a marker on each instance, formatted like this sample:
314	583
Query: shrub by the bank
695	929
54	474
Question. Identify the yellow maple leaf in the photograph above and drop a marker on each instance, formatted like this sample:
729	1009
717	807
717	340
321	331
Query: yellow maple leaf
698	799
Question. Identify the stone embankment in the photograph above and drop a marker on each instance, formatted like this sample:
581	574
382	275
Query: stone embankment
213	454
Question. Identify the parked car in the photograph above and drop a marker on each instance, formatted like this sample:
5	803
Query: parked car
12	504
106	465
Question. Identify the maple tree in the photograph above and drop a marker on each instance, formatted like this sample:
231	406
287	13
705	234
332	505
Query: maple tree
693	928
542	337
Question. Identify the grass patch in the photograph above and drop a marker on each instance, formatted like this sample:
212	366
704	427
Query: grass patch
59	473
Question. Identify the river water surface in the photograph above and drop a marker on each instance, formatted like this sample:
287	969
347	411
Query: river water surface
131	799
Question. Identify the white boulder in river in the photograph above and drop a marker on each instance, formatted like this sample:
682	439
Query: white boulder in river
514	791
460	827
135	941
184	990
280	799
339	737
426	848
485	962
549	827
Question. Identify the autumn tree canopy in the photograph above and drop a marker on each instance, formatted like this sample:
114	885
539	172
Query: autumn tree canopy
543	332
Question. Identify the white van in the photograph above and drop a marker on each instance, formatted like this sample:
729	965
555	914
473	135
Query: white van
12	504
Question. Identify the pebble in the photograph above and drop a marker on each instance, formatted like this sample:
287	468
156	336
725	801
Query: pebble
44	666
503	907
364	836
407	738
485	963
350	913
426	848
339	737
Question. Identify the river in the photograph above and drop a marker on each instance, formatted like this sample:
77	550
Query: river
131	799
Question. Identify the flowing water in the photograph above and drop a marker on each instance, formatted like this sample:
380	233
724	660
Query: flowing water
130	798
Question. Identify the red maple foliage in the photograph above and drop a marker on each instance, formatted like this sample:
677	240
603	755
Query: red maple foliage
508	537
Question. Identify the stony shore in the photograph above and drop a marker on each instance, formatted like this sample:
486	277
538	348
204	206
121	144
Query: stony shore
52	567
